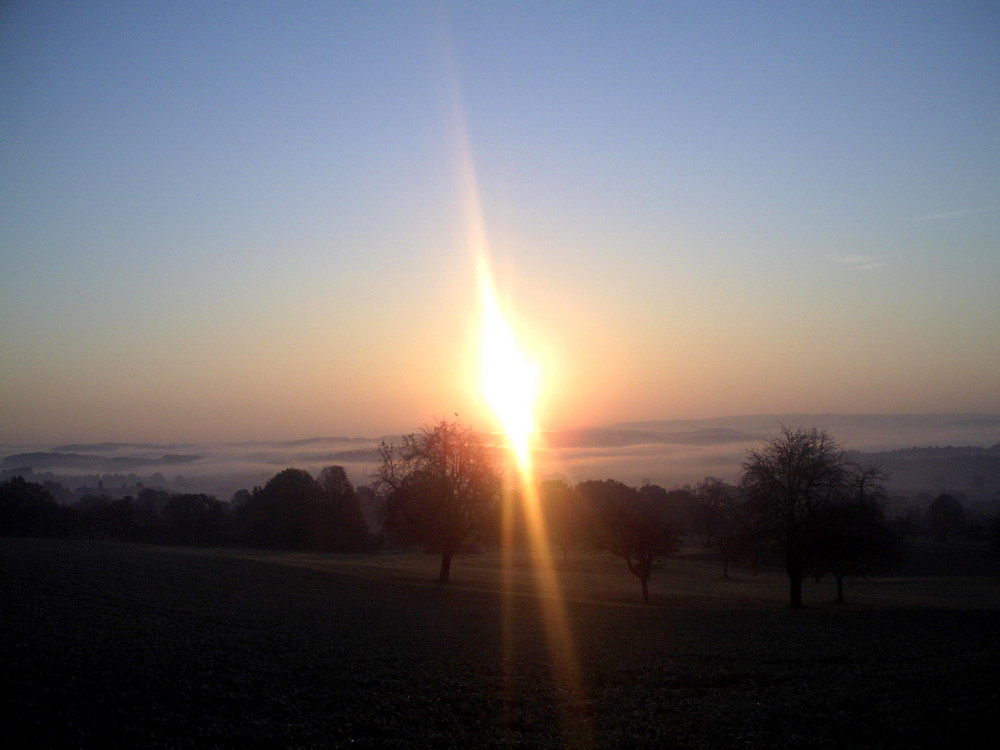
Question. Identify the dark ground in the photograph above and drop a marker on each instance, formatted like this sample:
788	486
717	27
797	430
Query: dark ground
110	645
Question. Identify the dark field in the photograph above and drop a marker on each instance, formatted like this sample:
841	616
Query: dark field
133	646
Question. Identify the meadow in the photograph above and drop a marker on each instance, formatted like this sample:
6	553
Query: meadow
118	645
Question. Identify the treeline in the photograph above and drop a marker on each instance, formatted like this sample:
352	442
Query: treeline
800	504
292	511
843	537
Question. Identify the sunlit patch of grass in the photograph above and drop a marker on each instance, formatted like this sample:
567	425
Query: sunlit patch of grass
126	645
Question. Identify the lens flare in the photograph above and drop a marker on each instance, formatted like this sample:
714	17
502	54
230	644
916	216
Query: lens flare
509	377
510	381
509	384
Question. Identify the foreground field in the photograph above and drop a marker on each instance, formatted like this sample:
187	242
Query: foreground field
109	645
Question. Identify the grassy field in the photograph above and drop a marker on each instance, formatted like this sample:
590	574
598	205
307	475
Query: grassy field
110	645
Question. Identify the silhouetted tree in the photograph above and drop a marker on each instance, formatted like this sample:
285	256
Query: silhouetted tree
147	514
853	532
285	513
565	519
787	482
680	505
993	535
348	531
370	509
723	521
27	509
151	502
945	518
439	488
631	524
105	517
194	519
62	495
239	499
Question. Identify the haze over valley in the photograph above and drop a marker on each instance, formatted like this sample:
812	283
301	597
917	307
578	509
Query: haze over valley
666	452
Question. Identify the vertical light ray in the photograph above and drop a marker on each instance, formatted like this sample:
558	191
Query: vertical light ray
509	382
509	377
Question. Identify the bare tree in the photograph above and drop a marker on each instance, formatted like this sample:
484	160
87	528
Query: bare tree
787	482
565	517
723	521
630	524
439	487
854	535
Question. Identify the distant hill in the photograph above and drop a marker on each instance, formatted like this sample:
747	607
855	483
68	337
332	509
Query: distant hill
621	436
54	460
882	432
113	447
968	470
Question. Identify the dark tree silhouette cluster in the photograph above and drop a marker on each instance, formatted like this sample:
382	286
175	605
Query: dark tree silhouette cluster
295	511
946	518
818	510
27	509
724	521
631	524
292	511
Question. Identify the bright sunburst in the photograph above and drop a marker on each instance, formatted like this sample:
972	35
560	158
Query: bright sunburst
509	377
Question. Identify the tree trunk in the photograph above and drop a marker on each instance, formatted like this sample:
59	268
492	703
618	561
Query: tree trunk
840	589
445	567
725	567
645	590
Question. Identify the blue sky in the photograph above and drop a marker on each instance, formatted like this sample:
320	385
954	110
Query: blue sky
240	220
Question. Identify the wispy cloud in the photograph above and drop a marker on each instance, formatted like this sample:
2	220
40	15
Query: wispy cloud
863	262
955	214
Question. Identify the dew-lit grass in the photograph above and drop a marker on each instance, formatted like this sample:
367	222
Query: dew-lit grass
125	645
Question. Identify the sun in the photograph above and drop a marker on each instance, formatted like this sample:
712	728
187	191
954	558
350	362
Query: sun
510	379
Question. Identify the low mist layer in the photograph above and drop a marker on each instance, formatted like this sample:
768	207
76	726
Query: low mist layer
670	453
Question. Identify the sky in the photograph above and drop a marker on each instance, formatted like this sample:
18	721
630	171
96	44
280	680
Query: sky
243	220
